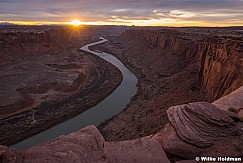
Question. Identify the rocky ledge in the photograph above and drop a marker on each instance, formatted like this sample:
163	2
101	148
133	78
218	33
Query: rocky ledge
194	129
88	145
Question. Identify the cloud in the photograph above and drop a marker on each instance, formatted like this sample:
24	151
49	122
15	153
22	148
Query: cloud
211	11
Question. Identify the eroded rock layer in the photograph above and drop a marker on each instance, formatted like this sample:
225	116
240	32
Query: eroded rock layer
219	55
88	145
201	129
201	124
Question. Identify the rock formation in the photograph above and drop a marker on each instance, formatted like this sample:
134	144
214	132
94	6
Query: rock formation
204	123
19	43
219	56
88	145
195	129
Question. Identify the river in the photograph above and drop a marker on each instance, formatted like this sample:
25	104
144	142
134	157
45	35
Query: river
110	106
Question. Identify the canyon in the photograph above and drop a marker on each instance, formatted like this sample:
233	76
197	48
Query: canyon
189	101
45	79
174	66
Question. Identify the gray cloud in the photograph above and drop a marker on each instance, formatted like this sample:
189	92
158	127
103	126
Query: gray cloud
210	11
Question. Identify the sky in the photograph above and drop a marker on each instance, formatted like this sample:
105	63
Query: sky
124	12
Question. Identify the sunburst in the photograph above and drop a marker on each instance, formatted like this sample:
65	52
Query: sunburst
75	22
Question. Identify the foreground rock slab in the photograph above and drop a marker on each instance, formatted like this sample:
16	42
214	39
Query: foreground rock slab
201	123
88	145
201	128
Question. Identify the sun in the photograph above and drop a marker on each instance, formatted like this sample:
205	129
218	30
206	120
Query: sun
75	22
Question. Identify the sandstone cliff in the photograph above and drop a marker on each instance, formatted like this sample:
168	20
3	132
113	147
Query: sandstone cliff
219	57
18	43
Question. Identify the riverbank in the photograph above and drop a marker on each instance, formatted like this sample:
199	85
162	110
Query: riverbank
100	78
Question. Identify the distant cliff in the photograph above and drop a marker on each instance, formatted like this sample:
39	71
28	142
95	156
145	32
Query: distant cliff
16	44
219	58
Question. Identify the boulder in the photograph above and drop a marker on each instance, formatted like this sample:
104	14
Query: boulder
201	123
197	128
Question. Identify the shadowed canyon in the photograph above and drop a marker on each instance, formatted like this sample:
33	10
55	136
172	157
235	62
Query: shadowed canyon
188	104
50	84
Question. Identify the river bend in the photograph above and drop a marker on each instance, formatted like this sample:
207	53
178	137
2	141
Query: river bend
107	108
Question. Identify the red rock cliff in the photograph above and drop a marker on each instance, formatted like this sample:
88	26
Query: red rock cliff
19	43
218	57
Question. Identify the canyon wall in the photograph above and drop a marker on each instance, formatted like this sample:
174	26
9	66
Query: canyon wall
219	58
18	43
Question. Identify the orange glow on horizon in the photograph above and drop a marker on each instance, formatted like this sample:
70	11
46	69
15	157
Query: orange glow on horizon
152	22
